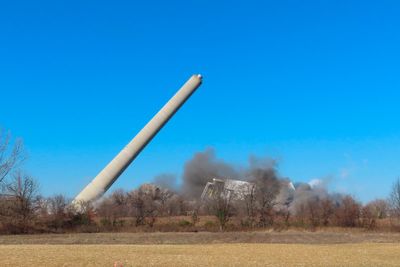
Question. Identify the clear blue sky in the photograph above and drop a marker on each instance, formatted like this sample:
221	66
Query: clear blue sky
314	84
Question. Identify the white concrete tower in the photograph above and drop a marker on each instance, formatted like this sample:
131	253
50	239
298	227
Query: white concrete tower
103	181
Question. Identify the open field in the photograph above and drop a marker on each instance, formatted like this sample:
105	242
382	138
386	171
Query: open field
290	248
286	237
363	254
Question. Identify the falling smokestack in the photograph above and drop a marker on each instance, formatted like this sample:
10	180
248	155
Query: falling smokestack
103	181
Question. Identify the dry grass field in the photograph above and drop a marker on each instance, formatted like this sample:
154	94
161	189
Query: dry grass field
290	248
362	254
334	236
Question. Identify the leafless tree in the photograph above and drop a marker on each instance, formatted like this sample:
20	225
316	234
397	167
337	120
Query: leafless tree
379	207
163	197
119	200
222	206
145	204
368	217
301	214
114	208
81	213
327	210
176	205
42	208
11	155
313	211
57	206
250	204
138	207
194	216
105	210
267	187
348	212
22	191
285	214
394	199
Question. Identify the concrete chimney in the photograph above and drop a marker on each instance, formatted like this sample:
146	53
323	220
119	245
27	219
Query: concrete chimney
103	181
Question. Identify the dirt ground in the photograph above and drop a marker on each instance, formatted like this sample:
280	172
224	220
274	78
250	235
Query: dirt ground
287	237
290	248
361	254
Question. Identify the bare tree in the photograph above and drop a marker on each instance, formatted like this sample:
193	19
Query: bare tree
22	190
57	206
394	199
348	212
120	205
105	210
11	155
368	217
267	187
313	211
82	213
327	210
380	208
138	209
146	204
223	208
112	209
302	214
176	205
250	204
42	208
285	214
163	196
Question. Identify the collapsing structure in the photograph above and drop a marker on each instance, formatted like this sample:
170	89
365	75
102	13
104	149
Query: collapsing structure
231	190
227	189
103	181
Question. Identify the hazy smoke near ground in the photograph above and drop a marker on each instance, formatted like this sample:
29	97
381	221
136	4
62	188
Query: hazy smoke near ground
204	166
168	181
304	193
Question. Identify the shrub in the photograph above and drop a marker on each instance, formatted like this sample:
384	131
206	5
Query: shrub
209	225
184	223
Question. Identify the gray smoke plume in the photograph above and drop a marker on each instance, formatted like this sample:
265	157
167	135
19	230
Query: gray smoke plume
316	190
168	181
304	193
204	166
263	174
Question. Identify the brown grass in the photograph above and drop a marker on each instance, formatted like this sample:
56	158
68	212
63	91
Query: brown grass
366	254
286	237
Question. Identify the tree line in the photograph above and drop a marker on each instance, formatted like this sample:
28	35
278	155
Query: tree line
151	208
155	208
